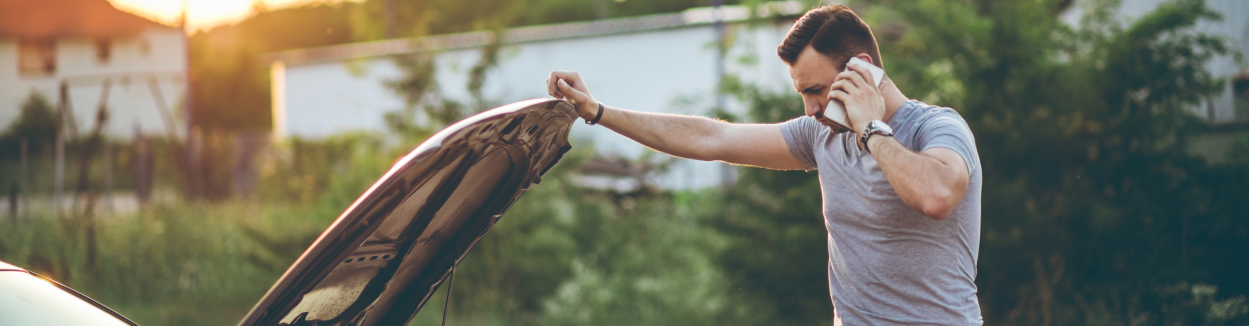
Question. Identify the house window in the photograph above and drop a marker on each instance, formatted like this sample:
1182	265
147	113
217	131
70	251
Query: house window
103	50
37	58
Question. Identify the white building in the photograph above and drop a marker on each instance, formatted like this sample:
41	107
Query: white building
660	63
1231	105
86	44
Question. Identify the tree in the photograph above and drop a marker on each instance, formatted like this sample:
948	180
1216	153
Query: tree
36	124
1093	209
777	255
230	84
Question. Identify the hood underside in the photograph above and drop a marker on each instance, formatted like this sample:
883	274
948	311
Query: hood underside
383	258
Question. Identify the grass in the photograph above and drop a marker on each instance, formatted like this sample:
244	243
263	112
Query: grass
169	263
562	255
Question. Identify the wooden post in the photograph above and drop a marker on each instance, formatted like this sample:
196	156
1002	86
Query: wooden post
24	179
59	178
13	204
190	154
194	150
90	146
392	19
108	175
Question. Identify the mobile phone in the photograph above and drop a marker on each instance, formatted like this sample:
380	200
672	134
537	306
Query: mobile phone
835	111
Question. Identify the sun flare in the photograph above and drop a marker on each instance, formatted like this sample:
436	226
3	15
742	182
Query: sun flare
200	13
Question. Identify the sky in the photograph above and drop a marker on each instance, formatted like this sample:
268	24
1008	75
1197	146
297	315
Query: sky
202	14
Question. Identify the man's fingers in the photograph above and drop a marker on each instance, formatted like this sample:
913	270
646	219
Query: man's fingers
568	85
852	76
843	85
573	79
570	93
552	86
862	74
839	95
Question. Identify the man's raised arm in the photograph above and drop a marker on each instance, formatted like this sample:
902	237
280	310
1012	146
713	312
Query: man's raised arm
690	137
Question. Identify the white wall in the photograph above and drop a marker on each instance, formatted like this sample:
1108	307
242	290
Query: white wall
644	71
1234	26
131	102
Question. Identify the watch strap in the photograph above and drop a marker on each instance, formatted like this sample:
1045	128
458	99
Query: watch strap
597	116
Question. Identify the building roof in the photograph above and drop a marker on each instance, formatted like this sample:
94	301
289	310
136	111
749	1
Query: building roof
37	19
688	18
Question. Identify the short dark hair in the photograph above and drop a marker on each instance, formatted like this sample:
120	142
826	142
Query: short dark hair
834	31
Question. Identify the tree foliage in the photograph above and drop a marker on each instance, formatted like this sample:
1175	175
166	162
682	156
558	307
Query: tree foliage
36	124
1094	211
230	83
778	251
426	109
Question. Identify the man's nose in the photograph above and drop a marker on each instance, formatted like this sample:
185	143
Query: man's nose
814	109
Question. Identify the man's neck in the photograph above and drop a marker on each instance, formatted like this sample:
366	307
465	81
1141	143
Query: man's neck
894	99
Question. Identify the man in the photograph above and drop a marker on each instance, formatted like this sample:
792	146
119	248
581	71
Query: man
901	192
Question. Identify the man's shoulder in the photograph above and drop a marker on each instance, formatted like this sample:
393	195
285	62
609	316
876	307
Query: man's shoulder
920	113
926	126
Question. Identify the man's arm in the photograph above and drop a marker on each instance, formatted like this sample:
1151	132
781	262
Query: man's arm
690	137
932	182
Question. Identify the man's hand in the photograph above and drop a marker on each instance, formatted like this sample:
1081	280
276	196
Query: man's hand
567	85
857	92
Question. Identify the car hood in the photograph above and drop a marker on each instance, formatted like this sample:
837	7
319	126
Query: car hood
383	258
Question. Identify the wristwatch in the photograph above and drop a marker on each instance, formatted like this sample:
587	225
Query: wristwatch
874	127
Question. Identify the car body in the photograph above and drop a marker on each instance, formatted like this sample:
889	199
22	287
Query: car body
383	258
27	298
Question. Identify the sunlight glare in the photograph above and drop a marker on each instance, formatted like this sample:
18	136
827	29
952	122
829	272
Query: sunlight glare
201	14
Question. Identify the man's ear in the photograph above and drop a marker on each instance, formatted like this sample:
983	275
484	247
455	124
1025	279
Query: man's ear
865	57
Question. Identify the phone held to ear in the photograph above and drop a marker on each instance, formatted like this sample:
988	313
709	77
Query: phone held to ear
835	111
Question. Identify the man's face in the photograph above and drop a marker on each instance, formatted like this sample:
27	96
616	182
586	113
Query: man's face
812	74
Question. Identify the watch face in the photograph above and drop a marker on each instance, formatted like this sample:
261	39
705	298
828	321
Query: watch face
877	124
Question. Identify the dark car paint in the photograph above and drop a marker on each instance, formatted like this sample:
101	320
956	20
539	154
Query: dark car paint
5	267
383	258
401	234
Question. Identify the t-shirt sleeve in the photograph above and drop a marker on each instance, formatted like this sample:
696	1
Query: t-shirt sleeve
800	136
947	129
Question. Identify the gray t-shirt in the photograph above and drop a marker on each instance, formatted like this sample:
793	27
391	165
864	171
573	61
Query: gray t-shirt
887	263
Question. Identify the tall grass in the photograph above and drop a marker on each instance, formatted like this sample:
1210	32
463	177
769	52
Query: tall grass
169	263
174	262
562	255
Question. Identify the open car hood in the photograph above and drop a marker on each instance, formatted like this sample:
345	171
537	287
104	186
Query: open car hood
383	258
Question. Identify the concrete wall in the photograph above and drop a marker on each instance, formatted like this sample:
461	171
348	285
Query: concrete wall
158	53
669	70
672	70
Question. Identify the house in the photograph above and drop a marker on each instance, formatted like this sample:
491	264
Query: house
102	56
